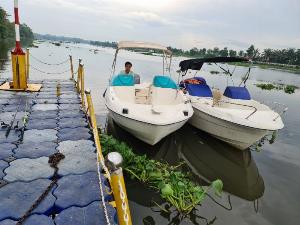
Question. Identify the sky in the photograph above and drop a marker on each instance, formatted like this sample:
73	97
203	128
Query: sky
178	23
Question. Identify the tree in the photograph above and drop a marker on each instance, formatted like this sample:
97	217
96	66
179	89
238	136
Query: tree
241	53
224	52
250	51
232	53
7	28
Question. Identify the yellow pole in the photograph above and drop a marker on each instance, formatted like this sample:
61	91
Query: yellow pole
72	68
19	71
120	196
27	62
94	123
82	87
79	76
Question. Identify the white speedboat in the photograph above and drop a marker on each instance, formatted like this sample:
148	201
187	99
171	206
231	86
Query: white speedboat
149	111
232	116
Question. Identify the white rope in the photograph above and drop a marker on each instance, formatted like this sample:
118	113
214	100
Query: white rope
102	194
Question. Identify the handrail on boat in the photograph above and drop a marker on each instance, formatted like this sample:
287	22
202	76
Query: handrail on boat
250	106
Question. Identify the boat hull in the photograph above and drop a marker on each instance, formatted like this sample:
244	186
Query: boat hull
241	137
149	133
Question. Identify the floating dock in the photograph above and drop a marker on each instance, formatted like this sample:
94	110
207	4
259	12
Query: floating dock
56	124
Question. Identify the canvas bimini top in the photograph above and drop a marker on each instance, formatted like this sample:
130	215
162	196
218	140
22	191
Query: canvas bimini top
167	54
196	64
140	44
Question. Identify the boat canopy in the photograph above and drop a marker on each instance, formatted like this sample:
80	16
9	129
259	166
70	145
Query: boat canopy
167	54
196	64
140	44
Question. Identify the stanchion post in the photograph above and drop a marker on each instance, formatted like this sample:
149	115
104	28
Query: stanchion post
72	68
79	75
82	87
94	123
27	63
18	59
120	196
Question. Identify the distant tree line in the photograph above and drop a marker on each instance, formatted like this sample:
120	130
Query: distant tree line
283	56
51	37
104	44
7	28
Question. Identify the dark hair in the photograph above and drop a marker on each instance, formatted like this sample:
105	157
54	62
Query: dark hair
128	63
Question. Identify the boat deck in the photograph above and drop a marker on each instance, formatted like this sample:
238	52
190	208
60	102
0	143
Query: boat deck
56	124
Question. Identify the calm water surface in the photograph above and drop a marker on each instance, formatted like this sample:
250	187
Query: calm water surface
268	180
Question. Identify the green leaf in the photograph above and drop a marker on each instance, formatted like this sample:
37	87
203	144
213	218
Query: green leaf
218	187
167	191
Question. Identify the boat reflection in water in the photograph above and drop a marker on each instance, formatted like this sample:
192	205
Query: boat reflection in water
207	157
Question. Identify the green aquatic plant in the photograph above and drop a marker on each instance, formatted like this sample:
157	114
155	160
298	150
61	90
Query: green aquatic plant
270	137
174	185
266	86
289	89
214	72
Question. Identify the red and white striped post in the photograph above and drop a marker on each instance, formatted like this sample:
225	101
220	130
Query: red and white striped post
18	59
18	50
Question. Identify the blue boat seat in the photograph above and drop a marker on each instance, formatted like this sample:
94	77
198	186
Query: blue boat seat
123	80
200	90
237	93
164	82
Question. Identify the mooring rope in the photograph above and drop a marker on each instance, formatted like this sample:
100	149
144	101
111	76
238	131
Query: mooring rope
50	73
53	161
49	64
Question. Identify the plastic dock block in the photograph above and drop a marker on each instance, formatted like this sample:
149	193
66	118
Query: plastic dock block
72	123
42	124
32	220
37	115
69	107
69	101
44	107
78	163
75	147
35	150
70	114
6	150
28	169
92	214
40	135
74	134
12	137
3	165
46	101
77	190
17	197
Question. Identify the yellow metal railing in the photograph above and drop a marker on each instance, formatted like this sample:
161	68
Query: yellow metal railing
116	178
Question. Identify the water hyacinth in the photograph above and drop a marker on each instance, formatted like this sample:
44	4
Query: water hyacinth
173	185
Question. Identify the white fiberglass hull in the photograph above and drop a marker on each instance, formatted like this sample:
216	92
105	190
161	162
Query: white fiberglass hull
149	133
234	134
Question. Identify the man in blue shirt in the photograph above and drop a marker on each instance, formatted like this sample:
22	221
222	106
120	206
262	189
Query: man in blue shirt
127	71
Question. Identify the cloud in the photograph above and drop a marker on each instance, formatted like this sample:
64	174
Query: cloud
148	18
185	24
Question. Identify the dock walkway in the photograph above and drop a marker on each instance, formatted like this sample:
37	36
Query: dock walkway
56	124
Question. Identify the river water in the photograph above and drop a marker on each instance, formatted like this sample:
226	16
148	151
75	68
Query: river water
264	186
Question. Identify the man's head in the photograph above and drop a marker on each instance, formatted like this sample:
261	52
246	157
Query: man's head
128	66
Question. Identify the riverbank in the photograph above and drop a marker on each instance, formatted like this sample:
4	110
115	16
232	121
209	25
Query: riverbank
272	66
